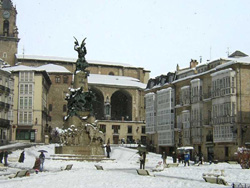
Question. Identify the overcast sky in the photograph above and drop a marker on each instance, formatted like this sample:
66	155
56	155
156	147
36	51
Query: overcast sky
154	34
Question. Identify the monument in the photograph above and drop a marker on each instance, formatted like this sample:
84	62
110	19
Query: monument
80	135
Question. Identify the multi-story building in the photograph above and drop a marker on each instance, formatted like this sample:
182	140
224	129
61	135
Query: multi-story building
211	106
159	101
30	106
6	106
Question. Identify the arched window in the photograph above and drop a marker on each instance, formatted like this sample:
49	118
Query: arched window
6	28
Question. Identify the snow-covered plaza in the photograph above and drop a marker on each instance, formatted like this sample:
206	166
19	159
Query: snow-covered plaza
120	172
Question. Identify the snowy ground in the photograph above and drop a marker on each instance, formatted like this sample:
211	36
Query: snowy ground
118	173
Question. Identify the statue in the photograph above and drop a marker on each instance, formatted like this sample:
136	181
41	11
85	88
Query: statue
79	101
81	63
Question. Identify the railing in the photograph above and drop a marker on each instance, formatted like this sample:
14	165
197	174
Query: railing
2	104
2	88
207	95
220	92
223	119
4	123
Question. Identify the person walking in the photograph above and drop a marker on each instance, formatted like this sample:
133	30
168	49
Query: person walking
143	160
164	158
186	158
108	150
1	157
5	155
174	157
201	158
42	159
21	158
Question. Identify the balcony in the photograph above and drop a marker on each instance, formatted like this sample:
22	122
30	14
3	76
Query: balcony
209	138
7	91
4	123
223	120
7	106
207	122
2	105
207	96
2	89
196	98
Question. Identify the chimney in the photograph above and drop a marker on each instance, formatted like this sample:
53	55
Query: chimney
193	63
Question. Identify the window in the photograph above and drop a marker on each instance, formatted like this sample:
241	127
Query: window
6	28
50	107
58	79
65	79
4	55
143	129
116	128
103	128
129	129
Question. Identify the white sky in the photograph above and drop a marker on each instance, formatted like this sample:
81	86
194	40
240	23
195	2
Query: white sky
154	34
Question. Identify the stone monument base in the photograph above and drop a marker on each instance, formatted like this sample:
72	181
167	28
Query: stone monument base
80	150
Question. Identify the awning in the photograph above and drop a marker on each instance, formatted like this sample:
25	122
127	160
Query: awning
185	148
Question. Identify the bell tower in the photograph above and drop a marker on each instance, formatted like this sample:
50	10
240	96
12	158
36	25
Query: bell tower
8	32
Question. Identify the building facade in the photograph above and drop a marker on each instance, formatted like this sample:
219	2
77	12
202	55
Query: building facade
30	104
209	111
6	106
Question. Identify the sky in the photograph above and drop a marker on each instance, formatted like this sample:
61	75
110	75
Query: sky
120	172
153	34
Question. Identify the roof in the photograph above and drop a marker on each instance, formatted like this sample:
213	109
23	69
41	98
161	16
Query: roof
238	53
52	68
92	79
28	68
65	59
115	80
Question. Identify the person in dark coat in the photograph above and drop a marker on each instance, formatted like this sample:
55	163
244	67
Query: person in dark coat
5	155
164	158
201	158
42	158
1	157
37	164
174	157
143	159
21	158
108	150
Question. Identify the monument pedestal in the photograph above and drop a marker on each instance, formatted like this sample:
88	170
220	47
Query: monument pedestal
80	150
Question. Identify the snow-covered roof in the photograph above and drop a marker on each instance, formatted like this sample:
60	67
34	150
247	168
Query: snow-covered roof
221	72
115	80
52	68
48	68
20	68
93	78
65	59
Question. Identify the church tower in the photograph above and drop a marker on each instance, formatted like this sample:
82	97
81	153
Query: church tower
8	32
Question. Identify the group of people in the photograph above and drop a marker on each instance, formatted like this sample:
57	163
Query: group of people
38	166
4	155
